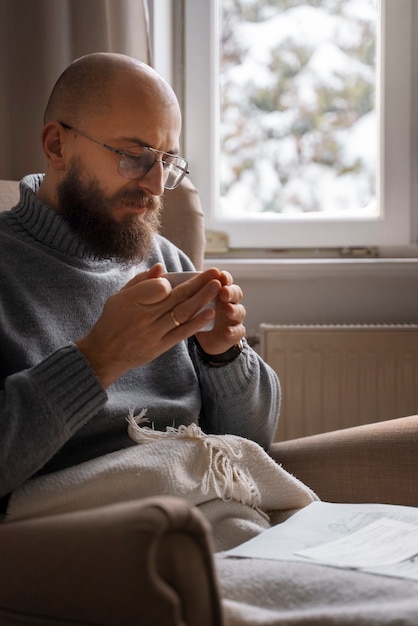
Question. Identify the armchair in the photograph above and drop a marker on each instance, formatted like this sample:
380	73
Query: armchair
371	463
150	562
146	562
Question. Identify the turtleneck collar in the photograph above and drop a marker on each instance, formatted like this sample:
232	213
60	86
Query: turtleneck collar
46	226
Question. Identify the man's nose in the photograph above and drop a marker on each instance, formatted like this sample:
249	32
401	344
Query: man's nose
153	181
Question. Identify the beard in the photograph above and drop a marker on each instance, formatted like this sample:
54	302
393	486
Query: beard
88	211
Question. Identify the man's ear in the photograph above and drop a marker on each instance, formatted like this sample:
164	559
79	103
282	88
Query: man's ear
53	145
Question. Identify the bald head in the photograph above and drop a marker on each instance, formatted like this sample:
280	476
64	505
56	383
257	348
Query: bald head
110	101
92	84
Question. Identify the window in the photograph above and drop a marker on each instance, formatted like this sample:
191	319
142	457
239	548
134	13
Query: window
297	107
265	196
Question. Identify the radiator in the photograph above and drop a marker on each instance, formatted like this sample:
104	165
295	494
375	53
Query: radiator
337	376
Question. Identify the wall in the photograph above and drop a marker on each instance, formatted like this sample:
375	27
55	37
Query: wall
334	291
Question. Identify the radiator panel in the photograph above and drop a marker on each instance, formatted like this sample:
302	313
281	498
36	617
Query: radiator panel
337	376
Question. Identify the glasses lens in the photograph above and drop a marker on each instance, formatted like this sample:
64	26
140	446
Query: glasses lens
136	162
172	177
175	169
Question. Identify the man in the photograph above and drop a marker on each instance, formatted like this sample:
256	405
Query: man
89	328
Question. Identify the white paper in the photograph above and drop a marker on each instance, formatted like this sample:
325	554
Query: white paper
320	523
383	542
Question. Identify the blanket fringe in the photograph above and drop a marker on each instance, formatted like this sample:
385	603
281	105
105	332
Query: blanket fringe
228	479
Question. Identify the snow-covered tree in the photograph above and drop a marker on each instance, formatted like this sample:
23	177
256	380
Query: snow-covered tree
298	117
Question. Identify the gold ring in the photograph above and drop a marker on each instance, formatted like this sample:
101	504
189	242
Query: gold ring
174	318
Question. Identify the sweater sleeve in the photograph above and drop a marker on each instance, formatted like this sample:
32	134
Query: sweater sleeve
41	408
241	398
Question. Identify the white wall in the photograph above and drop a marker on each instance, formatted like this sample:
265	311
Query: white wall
331	300
334	291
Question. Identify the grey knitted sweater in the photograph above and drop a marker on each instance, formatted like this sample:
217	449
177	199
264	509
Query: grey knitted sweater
53	411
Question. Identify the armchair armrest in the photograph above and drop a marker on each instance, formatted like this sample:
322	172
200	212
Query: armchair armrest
372	463
144	562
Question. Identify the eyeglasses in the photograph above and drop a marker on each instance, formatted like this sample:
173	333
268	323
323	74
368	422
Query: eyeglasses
137	161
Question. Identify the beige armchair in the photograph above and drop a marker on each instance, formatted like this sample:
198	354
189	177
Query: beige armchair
372	463
150	562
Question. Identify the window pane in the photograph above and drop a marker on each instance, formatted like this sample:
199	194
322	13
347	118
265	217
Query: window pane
298	127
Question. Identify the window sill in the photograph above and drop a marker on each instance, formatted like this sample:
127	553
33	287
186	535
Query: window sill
293	268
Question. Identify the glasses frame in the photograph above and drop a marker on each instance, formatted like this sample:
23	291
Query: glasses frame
125	154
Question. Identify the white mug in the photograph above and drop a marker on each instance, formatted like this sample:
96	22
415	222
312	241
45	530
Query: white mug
176	278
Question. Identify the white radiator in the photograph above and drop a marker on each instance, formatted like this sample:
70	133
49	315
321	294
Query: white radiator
337	376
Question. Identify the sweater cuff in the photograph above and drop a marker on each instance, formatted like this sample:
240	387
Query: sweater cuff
68	384
230	378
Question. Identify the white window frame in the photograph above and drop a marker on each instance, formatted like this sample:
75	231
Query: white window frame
201	107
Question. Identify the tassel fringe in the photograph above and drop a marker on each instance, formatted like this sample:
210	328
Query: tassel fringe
223	474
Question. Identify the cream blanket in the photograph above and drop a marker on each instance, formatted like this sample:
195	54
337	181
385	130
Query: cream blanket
235	484
232	480
260	592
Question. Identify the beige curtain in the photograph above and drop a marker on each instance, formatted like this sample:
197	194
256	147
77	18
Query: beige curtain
38	39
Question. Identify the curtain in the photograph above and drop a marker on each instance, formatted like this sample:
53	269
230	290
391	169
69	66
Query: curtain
38	39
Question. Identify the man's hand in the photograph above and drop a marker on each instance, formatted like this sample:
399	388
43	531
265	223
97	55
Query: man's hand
230	313
147	317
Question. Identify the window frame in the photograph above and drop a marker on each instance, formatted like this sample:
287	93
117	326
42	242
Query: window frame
201	123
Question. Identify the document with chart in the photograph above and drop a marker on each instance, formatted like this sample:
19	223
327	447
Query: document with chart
376	538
